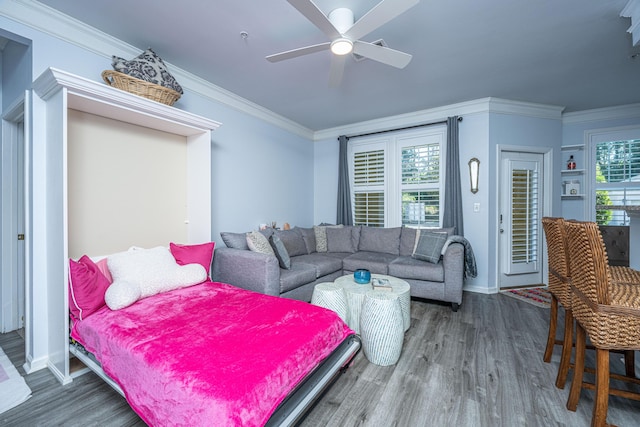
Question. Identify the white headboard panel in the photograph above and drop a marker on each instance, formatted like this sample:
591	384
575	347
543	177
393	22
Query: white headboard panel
127	186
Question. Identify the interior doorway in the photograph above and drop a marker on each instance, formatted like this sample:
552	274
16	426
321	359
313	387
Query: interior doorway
13	263
524	198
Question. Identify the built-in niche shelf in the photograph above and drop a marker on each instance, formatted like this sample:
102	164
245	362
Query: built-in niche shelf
576	174
57	92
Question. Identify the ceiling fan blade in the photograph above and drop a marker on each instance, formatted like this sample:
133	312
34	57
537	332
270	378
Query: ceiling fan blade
315	15
388	56
276	57
337	70
382	13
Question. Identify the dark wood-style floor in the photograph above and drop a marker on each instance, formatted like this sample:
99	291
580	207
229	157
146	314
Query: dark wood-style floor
481	366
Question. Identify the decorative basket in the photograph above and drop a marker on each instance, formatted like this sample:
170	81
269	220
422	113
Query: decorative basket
140	87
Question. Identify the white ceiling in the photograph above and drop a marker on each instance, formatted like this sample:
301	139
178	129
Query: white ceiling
571	53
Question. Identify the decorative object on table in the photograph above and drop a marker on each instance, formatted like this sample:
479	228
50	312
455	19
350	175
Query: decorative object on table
145	75
362	276
474	172
13	388
571	163
331	295
540	296
381	328
381	284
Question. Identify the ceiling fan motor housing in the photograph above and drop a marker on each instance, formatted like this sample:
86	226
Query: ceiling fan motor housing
342	18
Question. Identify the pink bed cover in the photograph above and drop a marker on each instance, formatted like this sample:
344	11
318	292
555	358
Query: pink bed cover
210	354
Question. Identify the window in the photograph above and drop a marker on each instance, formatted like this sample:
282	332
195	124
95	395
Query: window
368	188
617	179
396	179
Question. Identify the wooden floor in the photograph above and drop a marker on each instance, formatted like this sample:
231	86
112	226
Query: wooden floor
481	366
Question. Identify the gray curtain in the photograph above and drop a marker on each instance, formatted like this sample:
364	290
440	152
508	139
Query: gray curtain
452	213
344	195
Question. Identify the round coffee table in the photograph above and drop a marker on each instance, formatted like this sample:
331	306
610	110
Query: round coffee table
356	292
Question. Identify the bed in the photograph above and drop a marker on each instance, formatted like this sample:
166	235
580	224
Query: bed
214	354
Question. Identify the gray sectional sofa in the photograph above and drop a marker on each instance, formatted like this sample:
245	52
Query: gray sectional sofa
324	253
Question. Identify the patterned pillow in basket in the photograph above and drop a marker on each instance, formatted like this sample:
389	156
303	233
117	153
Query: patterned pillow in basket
148	67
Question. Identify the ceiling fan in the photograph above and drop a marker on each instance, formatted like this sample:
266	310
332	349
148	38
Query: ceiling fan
345	35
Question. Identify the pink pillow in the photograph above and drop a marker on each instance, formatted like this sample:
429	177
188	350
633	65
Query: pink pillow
193	254
87	286
104	269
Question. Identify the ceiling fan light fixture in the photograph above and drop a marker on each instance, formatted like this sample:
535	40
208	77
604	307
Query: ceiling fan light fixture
341	46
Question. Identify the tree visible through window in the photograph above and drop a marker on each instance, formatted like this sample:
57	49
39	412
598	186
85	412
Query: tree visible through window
617	180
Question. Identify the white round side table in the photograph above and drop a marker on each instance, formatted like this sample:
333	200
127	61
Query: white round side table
331	295
355	297
382	327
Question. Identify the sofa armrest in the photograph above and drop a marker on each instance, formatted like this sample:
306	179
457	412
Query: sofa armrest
453	263
247	269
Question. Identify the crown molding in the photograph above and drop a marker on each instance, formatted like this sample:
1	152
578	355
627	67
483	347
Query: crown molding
599	114
477	106
56	24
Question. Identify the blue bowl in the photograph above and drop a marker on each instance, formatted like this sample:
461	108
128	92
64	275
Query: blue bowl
362	276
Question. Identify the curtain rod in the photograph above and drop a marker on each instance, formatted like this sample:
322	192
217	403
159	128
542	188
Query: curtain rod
441	122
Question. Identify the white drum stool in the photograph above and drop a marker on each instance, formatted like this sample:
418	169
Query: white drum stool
382	327
331	296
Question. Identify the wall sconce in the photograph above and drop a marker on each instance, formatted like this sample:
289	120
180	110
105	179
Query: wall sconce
474	171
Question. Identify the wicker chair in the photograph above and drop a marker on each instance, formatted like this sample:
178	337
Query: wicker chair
559	279
608	311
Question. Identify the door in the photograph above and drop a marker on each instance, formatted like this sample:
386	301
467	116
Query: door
12	245
520	212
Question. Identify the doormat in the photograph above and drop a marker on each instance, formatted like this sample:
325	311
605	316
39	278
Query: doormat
13	389
540	297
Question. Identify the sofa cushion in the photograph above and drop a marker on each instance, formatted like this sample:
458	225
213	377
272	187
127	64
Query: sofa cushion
383	240
375	262
322	263
235	240
299	274
341	240
429	246
293	241
309	237
321	236
406	267
407	241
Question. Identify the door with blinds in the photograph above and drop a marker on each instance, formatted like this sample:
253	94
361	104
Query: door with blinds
520	212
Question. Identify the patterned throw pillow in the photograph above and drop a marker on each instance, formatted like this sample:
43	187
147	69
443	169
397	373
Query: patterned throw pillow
148	67
429	246
258	243
321	236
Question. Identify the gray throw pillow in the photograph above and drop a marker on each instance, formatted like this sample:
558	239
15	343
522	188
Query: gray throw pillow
281	251
340	239
429	246
377	239
234	240
293	241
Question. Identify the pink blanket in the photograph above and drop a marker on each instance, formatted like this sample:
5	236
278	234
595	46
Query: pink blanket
210	354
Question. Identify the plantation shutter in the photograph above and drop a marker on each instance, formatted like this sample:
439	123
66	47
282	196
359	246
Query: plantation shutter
524	228
420	185
368	188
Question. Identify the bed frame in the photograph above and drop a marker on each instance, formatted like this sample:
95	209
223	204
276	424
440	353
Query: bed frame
293	409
